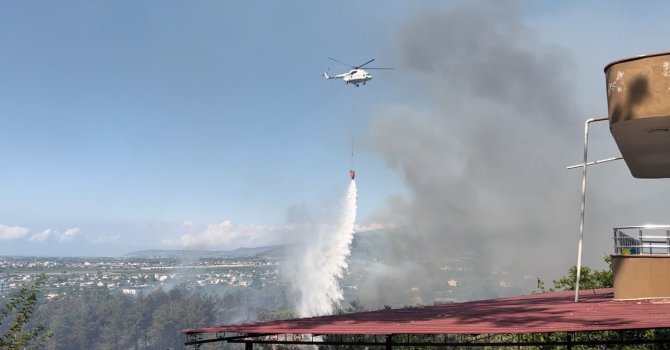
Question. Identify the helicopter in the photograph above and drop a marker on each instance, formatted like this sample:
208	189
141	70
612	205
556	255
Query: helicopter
355	76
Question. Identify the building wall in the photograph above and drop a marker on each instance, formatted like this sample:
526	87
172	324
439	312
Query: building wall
641	277
4	287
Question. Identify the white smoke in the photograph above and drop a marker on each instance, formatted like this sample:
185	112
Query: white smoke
315	265
482	156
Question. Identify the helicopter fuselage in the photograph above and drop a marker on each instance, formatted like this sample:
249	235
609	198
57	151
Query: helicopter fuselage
354	76
357	76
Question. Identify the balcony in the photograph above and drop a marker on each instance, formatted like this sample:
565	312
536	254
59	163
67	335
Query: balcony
641	262
642	240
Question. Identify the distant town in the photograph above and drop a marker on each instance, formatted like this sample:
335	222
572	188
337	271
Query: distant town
137	273
140	273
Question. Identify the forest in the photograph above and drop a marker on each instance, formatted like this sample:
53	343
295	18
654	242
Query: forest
101	319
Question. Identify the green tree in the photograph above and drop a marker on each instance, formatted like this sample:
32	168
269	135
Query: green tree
18	312
589	279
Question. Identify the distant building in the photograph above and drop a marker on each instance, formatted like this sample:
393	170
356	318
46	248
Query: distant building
453	283
4	287
133	290
244	283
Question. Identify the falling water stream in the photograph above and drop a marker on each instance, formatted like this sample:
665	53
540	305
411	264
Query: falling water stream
319	264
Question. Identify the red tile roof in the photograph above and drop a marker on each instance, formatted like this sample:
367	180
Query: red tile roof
549	312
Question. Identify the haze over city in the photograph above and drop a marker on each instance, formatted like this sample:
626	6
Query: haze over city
146	125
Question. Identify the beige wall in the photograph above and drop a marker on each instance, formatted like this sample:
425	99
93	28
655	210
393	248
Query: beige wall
641	277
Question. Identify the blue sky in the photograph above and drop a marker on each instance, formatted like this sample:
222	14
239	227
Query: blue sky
129	124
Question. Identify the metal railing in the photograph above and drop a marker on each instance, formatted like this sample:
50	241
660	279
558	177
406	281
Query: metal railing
642	240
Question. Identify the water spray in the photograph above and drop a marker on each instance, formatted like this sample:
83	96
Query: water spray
318	264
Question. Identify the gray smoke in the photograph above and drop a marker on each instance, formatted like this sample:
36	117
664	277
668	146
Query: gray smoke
483	156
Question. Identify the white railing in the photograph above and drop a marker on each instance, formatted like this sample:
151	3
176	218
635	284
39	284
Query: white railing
642	240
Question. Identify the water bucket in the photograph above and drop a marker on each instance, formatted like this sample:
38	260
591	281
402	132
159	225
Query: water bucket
638	103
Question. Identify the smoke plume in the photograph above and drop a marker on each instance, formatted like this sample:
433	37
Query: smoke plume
483	156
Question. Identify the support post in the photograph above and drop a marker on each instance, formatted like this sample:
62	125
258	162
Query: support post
581	224
389	341
569	347
248	346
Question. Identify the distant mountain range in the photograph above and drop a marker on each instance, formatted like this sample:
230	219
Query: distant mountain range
364	245
240	253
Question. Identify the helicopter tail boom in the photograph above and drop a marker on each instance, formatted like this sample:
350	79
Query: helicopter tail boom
339	76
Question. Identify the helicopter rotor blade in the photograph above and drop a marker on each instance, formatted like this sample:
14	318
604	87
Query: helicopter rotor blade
377	68
357	67
346	64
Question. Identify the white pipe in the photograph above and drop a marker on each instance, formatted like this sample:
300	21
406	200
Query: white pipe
594	162
581	224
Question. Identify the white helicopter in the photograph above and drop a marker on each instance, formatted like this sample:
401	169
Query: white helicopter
355	76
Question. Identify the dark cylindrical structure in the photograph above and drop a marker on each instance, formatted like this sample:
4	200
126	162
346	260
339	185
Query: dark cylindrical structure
638	103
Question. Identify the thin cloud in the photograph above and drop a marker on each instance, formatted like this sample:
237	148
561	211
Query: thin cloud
226	235
188	224
42	236
69	234
12	232
55	235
